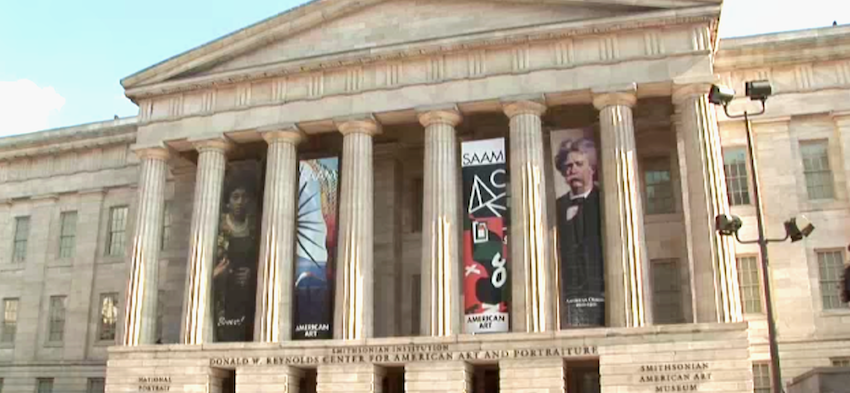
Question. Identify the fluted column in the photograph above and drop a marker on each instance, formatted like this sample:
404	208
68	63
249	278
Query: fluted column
197	304
277	252
142	289
714	272
440	226
533	304
627	294
353	313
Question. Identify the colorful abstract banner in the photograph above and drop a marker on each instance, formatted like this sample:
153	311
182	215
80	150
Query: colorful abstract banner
315	248
237	251
579	201
485	233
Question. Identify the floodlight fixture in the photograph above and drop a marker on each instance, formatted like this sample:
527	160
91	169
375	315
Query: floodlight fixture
793	228
721	95
759	90
727	225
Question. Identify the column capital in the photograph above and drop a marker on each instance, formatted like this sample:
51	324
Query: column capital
363	124
215	142
605	96
691	90
287	133
523	107
445	115
156	151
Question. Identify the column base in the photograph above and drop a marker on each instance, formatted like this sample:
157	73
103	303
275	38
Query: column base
453	377
545	375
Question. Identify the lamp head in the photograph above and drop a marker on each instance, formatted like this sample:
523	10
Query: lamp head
759	90
721	95
798	229
727	225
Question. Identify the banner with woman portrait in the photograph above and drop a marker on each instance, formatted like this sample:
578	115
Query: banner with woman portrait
237	251
485	236
579	228
315	248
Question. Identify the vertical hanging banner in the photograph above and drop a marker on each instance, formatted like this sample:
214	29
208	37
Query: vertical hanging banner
234	283
579	202
485	236
315	248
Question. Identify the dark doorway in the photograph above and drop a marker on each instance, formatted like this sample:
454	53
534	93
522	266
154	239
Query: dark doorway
308	381
485	378
228	383
583	377
393	380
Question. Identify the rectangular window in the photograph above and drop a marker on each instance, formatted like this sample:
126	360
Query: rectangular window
840	362
666	292
67	234
10	320
22	233
816	169
56	327
117	230
166	227
831	266
658	186
108	316
749	284
44	385
737	178
96	385
761	378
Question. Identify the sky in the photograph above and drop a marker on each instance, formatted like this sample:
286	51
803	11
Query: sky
61	61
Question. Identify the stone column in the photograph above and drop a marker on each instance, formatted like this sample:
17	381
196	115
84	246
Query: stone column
544	375
197	303
277	379
277	252
533	304
353	315
441	227
349	378
450	376
626	266
141	304
714	273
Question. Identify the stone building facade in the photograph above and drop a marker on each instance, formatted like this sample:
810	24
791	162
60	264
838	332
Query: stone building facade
111	229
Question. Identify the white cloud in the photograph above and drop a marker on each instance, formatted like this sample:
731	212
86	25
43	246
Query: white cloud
25	107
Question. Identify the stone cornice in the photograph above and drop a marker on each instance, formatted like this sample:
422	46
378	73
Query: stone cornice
57	146
447	45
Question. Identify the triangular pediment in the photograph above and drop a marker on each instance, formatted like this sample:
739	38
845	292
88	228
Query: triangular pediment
327	28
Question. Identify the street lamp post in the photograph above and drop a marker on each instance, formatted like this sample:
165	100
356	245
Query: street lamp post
758	91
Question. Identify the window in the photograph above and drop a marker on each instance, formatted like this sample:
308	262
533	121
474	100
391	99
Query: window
67	234
761	378
658	186
10	320
96	385
831	266
816	169
166	227
117	229
749	284
108	316
840	362
22	232
666	292
56	331
44	385
737	180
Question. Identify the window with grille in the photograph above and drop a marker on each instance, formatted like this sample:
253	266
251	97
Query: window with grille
96	385
658	186
831	266
750	284
56	327
108	315
10	320
67	234
22	233
816	169
666	292
737	177
166	227
117	230
840	362
761	378
44	385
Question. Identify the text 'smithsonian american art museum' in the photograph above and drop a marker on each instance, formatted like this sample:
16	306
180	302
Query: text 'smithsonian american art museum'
436	196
